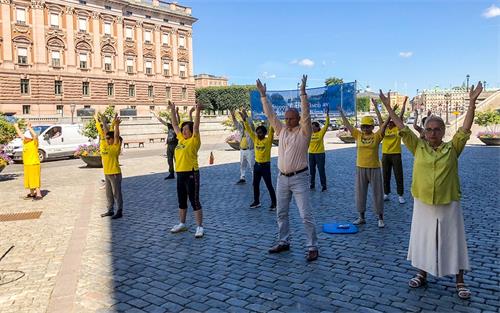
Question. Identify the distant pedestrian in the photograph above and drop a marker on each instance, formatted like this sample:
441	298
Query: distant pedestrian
437	239
317	156
186	167
367	167
110	147
246	148
171	144
293	179
391	155
262	166
420	129
31	162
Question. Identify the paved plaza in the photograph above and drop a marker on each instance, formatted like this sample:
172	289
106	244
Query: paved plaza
72	260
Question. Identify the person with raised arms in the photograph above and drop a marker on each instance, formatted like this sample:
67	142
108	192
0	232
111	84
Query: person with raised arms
317	156
367	166
294	137
262	165
437	238
187	170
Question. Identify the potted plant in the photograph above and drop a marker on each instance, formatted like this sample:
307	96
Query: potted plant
90	154
345	136
490	120
4	161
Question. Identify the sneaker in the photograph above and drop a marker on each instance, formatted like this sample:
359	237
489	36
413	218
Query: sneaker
401	200
171	176
381	224
324	189
199	232
254	205
359	221
272	207
240	182
386	198
179	228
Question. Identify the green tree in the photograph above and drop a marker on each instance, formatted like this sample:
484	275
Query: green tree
363	104
90	131
489	119
225	98
7	130
330	81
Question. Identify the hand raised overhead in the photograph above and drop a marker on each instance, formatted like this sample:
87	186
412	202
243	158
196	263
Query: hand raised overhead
262	88
475	92
303	85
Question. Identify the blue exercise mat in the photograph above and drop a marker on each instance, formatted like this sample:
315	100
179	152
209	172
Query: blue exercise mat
340	228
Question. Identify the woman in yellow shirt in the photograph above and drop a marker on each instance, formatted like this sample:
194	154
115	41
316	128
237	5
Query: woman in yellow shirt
391	155
262	165
31	162
186	167
437	238
367	167
316	151
110	147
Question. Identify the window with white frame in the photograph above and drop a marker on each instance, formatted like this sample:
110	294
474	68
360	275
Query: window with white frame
60	109
168	92
21	16
130	65
26	109
131	90
147	36
25	86
182	41
83	61
56	58
85	88
184	93
82	24
108	60
165	39
58	87
54	20
182	70
149	67
111	89
129	33
22	55
166	69
151	92
107	28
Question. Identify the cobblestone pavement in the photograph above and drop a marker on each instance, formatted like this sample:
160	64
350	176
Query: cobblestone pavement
75	261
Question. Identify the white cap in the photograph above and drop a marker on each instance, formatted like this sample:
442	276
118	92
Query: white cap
27	135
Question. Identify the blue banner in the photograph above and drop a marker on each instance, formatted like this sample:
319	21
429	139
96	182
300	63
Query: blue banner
343	95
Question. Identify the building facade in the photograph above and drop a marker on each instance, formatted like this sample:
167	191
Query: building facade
207	80
61	54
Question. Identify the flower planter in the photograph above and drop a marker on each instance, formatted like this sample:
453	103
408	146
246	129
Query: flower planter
489	141
234	144
92	161
347	139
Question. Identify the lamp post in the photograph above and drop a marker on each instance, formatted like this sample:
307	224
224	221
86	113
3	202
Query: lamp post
467	77
484	85
72	106
447	97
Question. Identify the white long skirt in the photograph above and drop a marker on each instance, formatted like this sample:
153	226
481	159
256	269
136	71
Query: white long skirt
437	239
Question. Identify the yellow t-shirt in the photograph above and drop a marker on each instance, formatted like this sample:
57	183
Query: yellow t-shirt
186	153
30	152
317	145
435	172
262	148
367	149
391	144
109	153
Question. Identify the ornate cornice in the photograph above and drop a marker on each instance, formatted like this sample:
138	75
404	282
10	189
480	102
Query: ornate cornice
69	11
96	15
37	4
5	1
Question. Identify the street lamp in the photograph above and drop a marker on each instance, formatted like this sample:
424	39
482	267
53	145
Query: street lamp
447	97
484	85
467	76
72	106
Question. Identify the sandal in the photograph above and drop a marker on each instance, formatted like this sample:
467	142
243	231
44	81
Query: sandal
417	281
37	198
28	196
462	291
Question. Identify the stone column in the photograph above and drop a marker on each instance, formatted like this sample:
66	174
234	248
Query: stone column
140	50
96	59
40	55
175	48
119	44
190	51
70	42
8	61
158	65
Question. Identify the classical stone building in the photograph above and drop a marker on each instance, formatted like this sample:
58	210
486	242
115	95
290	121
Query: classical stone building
59	54
207	80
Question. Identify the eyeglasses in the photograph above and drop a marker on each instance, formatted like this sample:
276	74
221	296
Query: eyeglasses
433	130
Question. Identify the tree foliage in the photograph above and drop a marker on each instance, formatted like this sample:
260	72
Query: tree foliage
363	104
489	119
90	131
225	98
7	130
330	81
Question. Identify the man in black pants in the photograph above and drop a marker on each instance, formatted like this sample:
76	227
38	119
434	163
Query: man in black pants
172	142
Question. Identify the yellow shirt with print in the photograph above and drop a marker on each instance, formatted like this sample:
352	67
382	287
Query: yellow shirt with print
367	149
317	145
109	153
391	144
435	172
186	153
30	152
262	148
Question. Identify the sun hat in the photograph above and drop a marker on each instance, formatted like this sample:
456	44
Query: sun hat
27	135
367	120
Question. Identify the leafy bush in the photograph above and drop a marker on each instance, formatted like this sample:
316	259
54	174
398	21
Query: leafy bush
7	130
90	131
490	120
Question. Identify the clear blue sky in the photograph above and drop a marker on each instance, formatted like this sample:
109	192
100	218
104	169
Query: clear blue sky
398	45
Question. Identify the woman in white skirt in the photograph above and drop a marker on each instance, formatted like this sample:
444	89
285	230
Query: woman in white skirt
437	239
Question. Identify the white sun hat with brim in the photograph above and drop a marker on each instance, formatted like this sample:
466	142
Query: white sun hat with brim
27	135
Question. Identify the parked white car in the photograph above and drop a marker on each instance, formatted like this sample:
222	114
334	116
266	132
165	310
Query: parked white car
55	141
